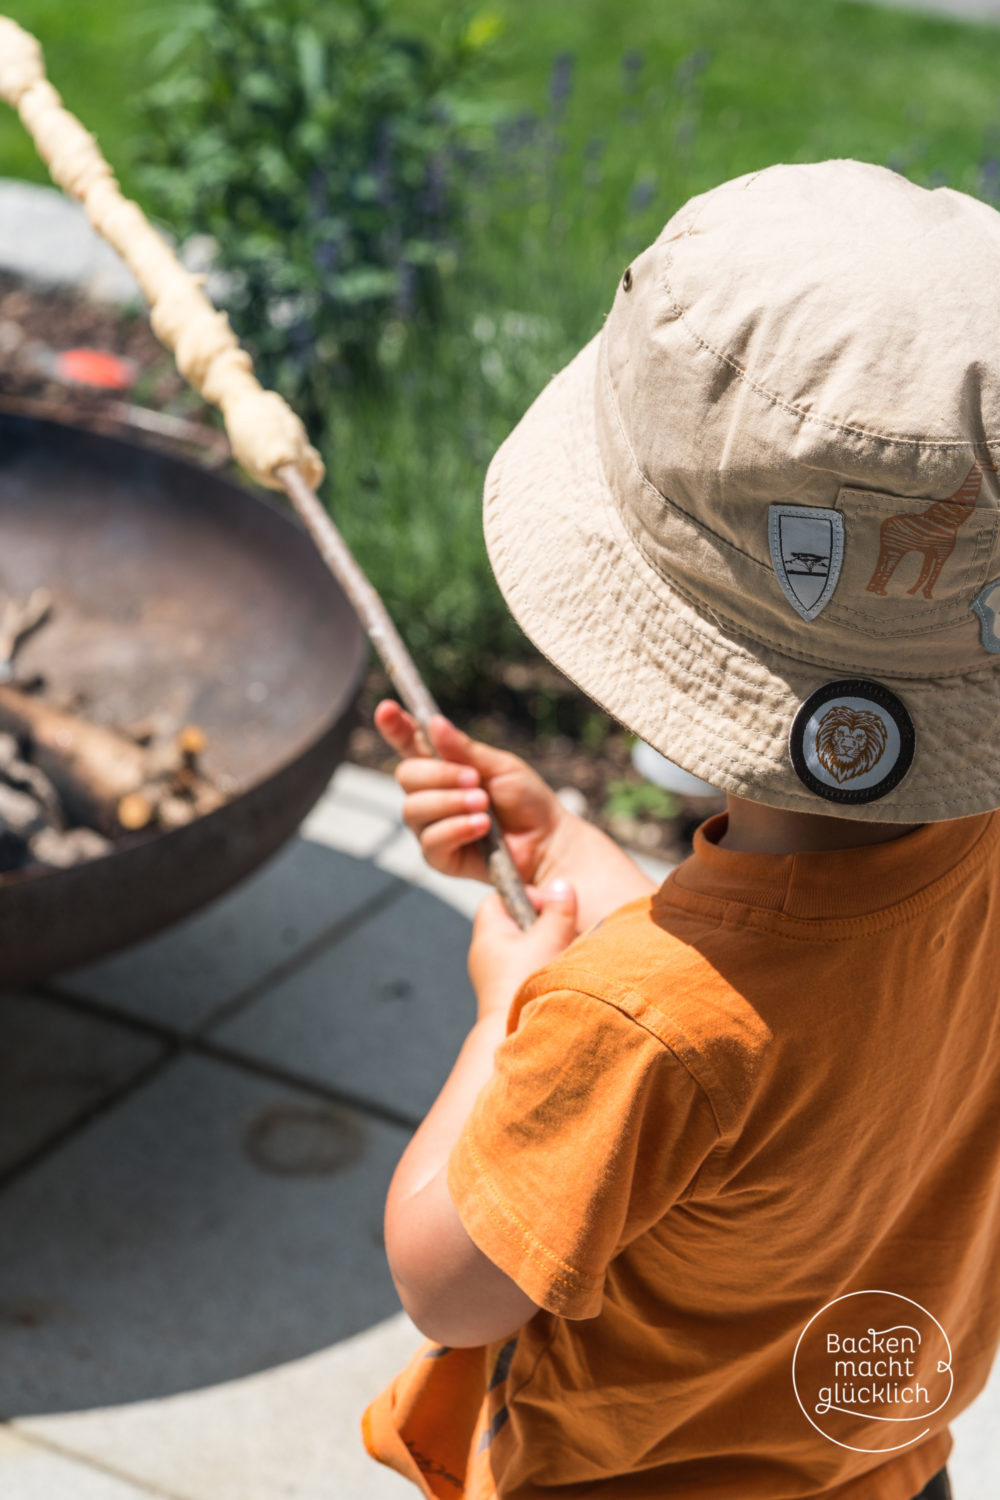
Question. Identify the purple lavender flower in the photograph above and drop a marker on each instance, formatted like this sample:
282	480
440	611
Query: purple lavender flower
317	193
592	153
561	83
406	296
642	194
687	70
382	166
432	199
989	179
327	254
631	68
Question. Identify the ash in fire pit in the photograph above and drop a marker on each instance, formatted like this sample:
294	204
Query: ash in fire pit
69	787
33	825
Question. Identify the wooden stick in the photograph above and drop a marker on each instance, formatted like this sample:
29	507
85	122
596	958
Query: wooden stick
399	664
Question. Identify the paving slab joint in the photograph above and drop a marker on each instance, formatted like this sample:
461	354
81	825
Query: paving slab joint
84	1461
357	917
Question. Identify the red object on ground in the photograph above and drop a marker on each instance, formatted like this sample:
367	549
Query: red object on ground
96	367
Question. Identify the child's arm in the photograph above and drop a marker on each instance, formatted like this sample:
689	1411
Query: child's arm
451	1290
445	807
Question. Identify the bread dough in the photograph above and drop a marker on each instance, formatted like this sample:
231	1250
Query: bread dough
264	431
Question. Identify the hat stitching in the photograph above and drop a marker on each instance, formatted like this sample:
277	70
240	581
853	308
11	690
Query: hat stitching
789	406
761	568
793	410
911	630
740	629
679	511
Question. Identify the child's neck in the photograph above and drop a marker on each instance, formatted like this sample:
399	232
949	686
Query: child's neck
756	829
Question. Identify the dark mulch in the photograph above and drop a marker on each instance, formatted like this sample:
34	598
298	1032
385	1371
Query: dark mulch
538	714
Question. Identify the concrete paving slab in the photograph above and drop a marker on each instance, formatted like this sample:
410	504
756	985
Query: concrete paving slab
974	1467
55	1067
211	1226
656	869
402	858
46	236
182	976
354	814
31	1472
379	1015
292	1432
374	790
352	829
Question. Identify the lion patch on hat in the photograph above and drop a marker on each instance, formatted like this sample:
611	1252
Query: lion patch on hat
851	741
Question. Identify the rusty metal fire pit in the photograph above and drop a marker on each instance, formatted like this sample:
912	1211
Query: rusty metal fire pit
174	590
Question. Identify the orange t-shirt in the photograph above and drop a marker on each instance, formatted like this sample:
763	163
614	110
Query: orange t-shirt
741	1146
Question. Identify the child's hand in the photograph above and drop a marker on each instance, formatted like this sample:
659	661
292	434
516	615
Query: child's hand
447	799
501	956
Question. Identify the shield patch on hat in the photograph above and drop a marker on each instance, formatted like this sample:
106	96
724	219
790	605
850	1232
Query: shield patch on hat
807	550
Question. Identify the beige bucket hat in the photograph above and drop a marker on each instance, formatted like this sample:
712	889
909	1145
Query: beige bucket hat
756	518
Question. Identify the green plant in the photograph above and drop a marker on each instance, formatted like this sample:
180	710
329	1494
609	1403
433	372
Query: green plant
326	153
638	799
594	732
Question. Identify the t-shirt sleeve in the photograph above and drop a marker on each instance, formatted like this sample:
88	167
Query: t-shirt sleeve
588	1131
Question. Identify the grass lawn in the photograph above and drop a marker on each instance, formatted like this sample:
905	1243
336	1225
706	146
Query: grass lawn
785	80
660	101
96	53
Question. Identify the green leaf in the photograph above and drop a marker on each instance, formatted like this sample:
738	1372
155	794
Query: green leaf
311	54
366	284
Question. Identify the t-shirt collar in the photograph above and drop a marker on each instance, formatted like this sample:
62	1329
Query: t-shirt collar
838	883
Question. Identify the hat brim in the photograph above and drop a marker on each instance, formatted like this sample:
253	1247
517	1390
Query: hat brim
717	703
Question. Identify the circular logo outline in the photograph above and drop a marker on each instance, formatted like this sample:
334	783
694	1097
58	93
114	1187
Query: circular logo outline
876	1292
875	693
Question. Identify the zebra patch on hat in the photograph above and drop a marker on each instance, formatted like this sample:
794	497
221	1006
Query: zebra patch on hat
929	533
807	551
851	741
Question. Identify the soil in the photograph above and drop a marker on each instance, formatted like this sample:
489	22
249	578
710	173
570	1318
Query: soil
538	714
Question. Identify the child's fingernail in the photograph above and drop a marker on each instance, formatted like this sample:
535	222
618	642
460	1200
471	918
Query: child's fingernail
560	890
476	801
469	776
480	822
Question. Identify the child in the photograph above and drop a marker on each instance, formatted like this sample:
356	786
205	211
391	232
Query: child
710	1203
